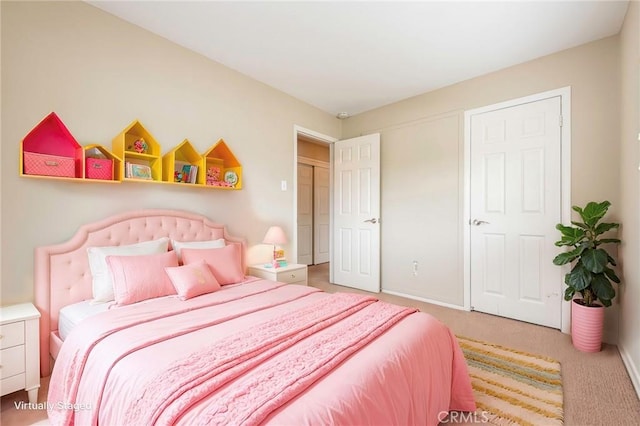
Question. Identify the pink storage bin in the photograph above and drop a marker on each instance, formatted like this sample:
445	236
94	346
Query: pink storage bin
51	138
99	168
48	165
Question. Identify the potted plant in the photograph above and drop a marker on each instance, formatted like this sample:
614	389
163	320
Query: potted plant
591	275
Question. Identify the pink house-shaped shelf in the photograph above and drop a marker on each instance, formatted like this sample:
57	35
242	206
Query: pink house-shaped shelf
51	137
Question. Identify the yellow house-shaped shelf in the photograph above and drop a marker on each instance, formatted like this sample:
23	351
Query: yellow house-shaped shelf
220	162
174	162
97	169
136	145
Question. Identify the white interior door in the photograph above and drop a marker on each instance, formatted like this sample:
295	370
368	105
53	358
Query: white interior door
356	201
305	214
515	203
321	213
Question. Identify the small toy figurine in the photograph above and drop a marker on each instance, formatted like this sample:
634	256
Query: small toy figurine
213	176
139	146
177	177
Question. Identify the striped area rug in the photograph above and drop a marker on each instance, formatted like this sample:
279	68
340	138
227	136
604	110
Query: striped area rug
513	387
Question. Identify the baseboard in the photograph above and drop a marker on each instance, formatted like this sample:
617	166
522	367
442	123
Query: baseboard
422	299
631	368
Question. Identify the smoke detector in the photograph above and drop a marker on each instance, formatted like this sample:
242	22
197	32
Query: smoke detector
342	115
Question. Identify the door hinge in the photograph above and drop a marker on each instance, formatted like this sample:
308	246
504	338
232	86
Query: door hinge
561	120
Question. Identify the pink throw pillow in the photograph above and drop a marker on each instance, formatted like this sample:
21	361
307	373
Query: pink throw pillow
192	280
225	263
138	278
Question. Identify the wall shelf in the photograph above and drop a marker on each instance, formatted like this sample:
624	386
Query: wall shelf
222	168
51	145
138	149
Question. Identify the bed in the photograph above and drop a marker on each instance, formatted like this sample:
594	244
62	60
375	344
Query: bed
251	352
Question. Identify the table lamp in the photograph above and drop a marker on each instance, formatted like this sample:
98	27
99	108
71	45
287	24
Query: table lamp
275	235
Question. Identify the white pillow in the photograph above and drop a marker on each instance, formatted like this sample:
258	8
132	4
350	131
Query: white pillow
179	245
102	280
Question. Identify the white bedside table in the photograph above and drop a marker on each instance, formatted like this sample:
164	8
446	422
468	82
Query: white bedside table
20	350
291	274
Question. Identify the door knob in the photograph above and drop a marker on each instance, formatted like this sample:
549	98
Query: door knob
477	222
372	220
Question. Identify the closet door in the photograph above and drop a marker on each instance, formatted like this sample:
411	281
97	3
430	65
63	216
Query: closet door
305	214
321	230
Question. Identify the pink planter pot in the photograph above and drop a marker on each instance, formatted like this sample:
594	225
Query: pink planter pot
586	327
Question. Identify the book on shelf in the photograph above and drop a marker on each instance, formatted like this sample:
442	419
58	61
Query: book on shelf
188	173
137	171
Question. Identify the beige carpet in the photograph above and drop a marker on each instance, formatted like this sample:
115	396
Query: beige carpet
513	387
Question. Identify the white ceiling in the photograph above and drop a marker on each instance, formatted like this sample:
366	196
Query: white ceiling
359	55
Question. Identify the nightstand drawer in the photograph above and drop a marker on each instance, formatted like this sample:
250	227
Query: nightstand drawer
11	334
11	361
293	276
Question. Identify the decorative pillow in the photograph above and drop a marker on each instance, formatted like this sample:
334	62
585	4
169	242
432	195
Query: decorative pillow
102	282
193	279
225	263
179	245
138	278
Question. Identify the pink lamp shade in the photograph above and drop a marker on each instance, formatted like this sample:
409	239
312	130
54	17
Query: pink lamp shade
275	235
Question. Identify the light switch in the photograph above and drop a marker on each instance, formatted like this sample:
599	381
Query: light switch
283	185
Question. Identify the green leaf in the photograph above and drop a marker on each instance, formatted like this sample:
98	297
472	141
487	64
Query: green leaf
604	227
593	212
610	273
570	256
579	277
606	302
595	260
609	240
611	260
569	292
579	225
570	236
602	287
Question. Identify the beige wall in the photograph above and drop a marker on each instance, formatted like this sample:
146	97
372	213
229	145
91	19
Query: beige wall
422	164
629	294
98	73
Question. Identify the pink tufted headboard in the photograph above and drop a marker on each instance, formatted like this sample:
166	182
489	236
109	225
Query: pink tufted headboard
62	275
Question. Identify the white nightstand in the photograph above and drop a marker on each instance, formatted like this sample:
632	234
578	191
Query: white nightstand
291	274
20	350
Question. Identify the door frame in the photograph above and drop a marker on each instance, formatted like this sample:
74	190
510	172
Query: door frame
329	140
565	184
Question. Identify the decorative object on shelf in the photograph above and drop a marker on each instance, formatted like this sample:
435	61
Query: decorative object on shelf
276	236
231	177
590	276
213	175
50	149
139	146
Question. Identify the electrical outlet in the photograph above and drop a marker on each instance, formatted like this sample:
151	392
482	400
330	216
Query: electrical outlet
415	268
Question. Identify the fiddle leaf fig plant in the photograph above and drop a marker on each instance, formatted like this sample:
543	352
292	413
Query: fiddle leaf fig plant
591	275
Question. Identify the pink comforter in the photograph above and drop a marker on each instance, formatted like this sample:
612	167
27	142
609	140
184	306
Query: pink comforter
259	352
